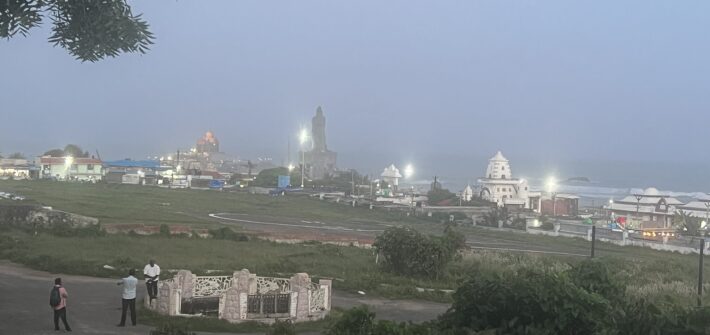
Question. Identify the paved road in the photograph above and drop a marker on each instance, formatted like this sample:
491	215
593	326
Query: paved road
94	304
366	231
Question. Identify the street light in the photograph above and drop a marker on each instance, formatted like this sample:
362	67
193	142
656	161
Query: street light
408	171
611	213
551	185
302	138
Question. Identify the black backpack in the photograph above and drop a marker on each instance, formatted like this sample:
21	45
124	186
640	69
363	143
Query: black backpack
54	297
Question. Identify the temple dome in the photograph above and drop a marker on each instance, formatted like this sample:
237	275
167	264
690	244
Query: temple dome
651	191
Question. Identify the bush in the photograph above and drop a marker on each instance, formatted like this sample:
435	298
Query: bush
282	328
225	233
595	277
526	302
171	329
405	251
645	317
518	222
356	321
164	230
546	223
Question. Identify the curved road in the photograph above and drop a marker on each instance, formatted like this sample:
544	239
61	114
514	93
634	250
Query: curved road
366	231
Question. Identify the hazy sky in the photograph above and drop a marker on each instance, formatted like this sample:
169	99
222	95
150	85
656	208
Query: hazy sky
547	82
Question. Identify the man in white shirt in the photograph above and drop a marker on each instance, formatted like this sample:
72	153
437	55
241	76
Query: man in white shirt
151	272
128	297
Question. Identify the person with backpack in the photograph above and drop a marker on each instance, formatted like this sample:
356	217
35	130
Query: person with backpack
58	302
128	297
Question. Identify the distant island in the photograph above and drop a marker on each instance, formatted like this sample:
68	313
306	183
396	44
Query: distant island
578	179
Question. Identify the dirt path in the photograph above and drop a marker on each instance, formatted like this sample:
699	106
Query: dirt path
94	304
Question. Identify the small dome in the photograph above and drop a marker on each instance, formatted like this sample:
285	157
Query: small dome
651	191
391	172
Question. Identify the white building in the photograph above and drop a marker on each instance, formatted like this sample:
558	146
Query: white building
699	207
70	168
500	187
649	209
14	168
391	176
467	193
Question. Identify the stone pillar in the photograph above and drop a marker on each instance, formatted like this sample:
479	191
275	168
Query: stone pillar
300	284
234	307
589	234
168	298
185	281
557	228
624	237
327	284
293	310
233	302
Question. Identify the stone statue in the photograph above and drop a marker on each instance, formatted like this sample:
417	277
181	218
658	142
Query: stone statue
318	131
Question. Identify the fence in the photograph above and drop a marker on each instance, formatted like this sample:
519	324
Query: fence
244	296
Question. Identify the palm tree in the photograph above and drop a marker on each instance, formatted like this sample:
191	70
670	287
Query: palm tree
686	223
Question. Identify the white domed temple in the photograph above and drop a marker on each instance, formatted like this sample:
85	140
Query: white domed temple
500	187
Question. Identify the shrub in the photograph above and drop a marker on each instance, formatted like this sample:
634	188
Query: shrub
546	223
518	222
171	329
405	251
282	328
356	321
526	302
595	277
225	233
164	230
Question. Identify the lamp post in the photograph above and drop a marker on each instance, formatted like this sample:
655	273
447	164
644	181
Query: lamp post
302	138
611	204
638	208
551	188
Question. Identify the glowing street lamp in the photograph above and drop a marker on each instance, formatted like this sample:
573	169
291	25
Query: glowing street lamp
303	138
290	167
408	171
68	161
551	186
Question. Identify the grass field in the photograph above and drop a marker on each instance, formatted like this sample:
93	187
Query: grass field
113	204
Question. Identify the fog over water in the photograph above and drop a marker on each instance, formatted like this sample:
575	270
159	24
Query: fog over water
613	91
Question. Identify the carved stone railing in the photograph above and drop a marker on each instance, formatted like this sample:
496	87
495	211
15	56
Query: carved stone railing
211	286
297	298
317	300
265	285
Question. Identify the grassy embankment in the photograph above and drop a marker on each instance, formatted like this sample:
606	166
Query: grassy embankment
646	272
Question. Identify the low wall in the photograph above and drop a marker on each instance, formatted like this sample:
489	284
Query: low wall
619	238
306	300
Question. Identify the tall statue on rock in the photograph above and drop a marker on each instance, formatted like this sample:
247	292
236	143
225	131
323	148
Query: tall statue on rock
318	131
320	162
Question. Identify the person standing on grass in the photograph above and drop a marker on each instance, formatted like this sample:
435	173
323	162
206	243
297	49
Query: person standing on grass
58	301
128	297
151	272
